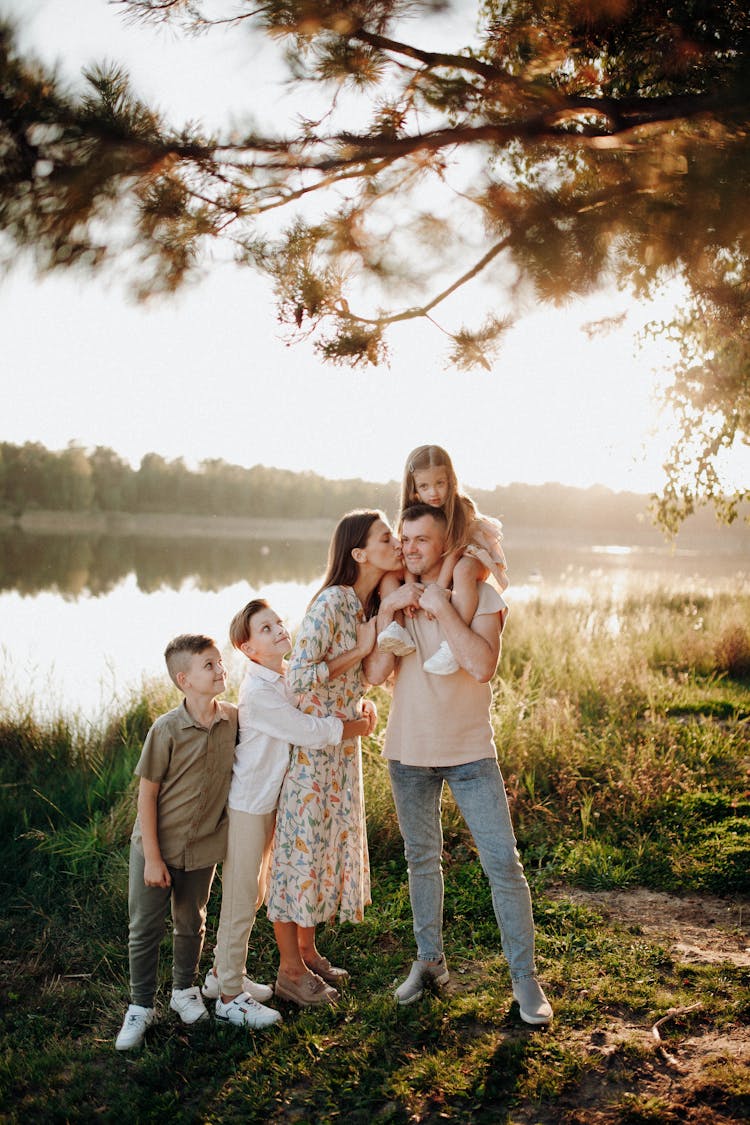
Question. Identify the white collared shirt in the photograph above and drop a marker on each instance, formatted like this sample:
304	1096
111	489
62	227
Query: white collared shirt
270	725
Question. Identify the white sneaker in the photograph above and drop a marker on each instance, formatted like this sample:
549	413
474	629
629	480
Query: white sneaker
413	987
137	1020
259	992
244	1011
188	1004
534	1005
442	662
394	638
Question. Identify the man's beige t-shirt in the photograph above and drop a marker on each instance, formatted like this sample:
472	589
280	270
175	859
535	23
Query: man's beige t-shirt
440	720
194	768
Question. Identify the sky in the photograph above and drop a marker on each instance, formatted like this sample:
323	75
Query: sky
210	375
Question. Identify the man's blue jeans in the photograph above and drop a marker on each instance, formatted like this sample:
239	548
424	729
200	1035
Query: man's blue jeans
479	792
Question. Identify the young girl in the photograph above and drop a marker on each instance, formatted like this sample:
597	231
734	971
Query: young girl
474	548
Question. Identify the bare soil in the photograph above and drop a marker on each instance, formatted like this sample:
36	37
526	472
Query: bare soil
702	1079
695	928
645	1073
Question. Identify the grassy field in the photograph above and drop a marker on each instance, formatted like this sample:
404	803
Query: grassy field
623	733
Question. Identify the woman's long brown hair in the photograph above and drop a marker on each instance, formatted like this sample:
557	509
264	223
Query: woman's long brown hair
352	531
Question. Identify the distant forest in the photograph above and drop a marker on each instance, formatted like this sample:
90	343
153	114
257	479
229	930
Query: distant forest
34	478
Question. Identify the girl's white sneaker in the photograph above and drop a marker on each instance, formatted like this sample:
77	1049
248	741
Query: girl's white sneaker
394	638
442	662
420	973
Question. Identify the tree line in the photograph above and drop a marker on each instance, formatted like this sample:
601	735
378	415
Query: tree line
99	480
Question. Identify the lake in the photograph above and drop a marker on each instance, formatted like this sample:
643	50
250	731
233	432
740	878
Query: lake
85	618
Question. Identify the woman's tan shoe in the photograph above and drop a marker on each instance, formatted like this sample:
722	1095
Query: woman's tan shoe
310	989
330	973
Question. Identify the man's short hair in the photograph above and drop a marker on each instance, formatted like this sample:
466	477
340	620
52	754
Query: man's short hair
182	649
416	511
239	627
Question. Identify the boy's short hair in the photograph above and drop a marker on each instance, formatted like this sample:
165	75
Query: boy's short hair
180	650
239	627
416	511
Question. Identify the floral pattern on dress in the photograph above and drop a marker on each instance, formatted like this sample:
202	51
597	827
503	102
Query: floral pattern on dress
320	862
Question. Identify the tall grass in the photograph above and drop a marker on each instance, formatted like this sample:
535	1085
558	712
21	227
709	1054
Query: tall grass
618	725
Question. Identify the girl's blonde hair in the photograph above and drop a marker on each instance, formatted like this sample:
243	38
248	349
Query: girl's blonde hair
460	510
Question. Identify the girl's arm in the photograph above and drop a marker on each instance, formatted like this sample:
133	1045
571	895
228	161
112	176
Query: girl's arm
445	578
468	574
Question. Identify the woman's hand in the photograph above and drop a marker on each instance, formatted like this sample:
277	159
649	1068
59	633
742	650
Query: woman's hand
366	633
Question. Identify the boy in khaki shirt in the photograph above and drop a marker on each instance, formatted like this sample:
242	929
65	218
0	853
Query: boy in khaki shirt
180	832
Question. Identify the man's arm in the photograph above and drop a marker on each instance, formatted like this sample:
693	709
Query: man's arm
475	647
378	666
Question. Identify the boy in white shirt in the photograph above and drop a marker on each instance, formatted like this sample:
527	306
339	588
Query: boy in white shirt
269	724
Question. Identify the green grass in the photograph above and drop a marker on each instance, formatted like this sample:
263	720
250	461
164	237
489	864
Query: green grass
623	738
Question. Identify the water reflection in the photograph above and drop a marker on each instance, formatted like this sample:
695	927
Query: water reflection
85	565
76	565
86	617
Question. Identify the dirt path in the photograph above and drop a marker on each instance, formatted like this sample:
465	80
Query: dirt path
695	928
703	1081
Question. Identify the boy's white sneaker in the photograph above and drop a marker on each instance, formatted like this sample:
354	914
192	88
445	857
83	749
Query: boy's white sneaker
134	1026
442	662
246	1012
188	1004
259	992
394	638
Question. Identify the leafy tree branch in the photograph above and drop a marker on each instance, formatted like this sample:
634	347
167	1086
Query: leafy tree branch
565	146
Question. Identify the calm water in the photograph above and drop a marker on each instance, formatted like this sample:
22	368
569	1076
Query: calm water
84	619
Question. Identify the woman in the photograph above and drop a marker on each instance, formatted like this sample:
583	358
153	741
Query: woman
320	863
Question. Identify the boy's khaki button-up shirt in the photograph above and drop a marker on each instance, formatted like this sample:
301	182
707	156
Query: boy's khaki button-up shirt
193	767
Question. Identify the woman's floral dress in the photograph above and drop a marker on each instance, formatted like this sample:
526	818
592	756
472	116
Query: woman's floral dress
320	862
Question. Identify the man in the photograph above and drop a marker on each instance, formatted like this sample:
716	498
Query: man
439	730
